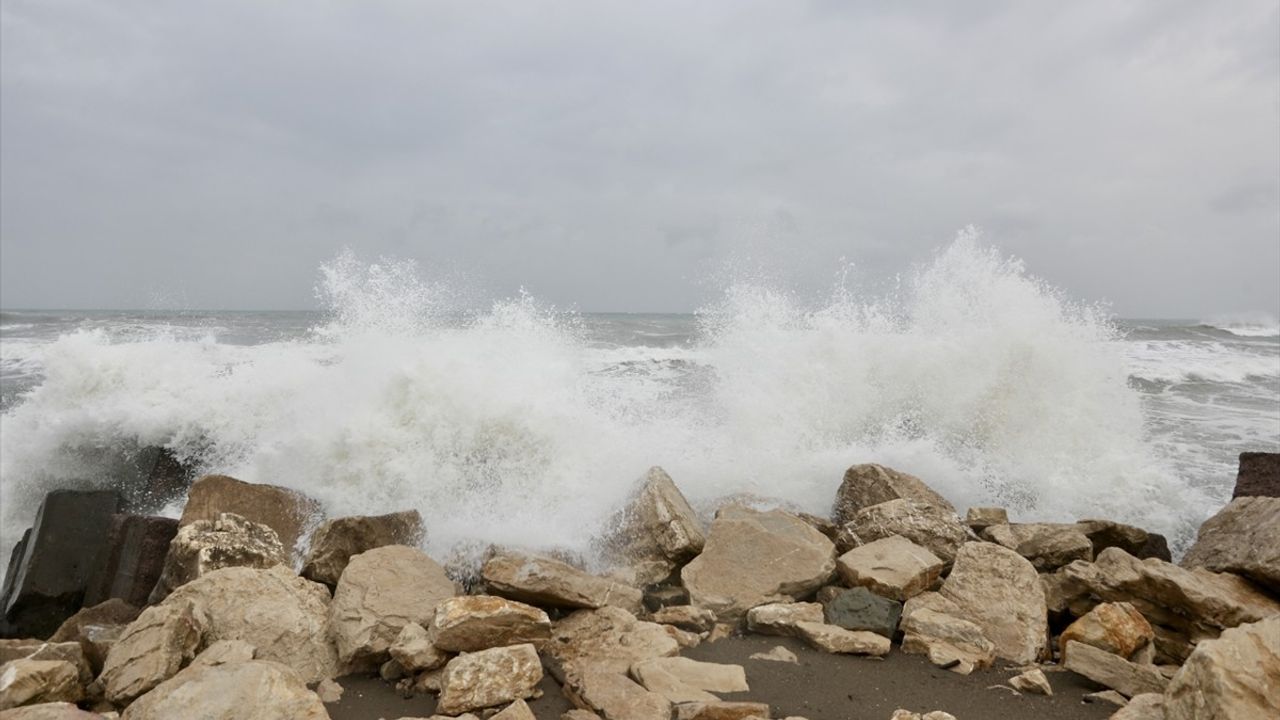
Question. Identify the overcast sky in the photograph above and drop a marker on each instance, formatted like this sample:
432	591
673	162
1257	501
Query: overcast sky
613	156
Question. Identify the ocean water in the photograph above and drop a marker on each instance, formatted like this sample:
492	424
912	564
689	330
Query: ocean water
519	423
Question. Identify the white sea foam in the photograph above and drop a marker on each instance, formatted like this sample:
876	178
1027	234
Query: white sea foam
509	427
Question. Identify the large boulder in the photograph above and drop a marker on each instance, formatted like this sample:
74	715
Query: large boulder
30	682
1125	677
934	527
1258	475
999	591
133	560
207	545
753	557
286	617
252	690
488	678
893	567
1117	628
151	650
50	711
31	649
871	484
335	541
614	696
949	642
1235	676
1048	546
380	592
1243	538
608	639
96	629
477	622
1133	540
657	531
545	581
281	509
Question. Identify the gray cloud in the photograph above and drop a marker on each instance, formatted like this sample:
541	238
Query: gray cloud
610	155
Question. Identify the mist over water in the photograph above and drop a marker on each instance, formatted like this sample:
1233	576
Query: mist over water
522	424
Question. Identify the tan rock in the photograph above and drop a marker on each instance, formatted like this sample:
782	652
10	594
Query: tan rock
31	649
1133	540
1110	697
96	629
981	518
544	581
835	639
782	618
871	484
778	653
207	545
329	691
50	711
1062	592
615	696
686	617
152	649
225	652
253	690
752	558
1032	681
1234	676
579	714
892	567
683	638
283	510
658	531
414	651
488	678
518	710
1147	706
608	639
721	710
948	641
931	526
380	592
478	622
1243	538
681	680
1048	546
1117	628
1000	592
335	541
1112	671
31	682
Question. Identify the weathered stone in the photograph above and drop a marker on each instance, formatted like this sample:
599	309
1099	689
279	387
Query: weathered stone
615	696
579	714
544	581
253	690
1235	676
224	652
1110	697
1000	592
1133	540
893	567
207	545
1147	706
846	539
488	678
133	559
32	649
96	629
752	558
1172	646
29	682
821	524
50	570
1032	681
871	484
286	511
335	541
981	518
681	680
414	652
1117	628
782	618
683	638
1243	538
1061	591
931	526
947	640
1112	671
286	618
860	609
152	649
778	653
518	710
380	592
608	639
721	710
477	622
1048	546
329	691
1258	475
832	639
686	617
50	711
657	531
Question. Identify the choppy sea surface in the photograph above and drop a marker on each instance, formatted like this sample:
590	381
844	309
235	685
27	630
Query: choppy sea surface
518	423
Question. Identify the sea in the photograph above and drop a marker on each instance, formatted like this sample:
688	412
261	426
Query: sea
516	422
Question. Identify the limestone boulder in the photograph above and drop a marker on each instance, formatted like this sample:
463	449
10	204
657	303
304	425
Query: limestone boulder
31	682
380	592
893	567
489	678
1133	540
1147	706
50	711
477	622
657	532
1032	681
1117	628
933	527
981	518
207	545
1243	538
608	639
948	641
1113	671
415	652
834	639
999	591
96	629
614	696
1048	546
681	679
152	649
1234	676
721	710
32	649
753	557
783	618
546	581
871	484
335	541
860	609
225	652
286	511
252	690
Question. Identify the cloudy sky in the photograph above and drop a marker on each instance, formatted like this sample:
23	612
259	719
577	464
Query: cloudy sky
614	156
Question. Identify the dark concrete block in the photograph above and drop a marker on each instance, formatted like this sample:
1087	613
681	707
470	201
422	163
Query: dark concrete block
136	547
860	609
1258	476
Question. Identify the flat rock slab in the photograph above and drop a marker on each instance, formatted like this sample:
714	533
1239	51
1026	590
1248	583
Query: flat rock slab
680	679
477	622
893	567
607	639
1113	671
545	581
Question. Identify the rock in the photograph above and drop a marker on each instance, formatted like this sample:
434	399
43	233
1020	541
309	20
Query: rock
1048	546
286	619
657	532
777	654
488	678
1235	676
1032	681
681	680
32	649
335	541
821	524
946	640
253	690
1111	697
281	509
152	649
207	545
50	571
930	526
413	650
1243	538
544	581
721	710
1061	592
615	696
1258	476
1112	671
893	567
832	639
1000	592
133	559
225	652
683	638
860	609
1117	628
518	710
380	592
752	558
686	617
867	485
608	639
657	597
478	622
1135	541
329	691
96	629
50	711
579	714
783	618
981	518
1147	706
30	682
